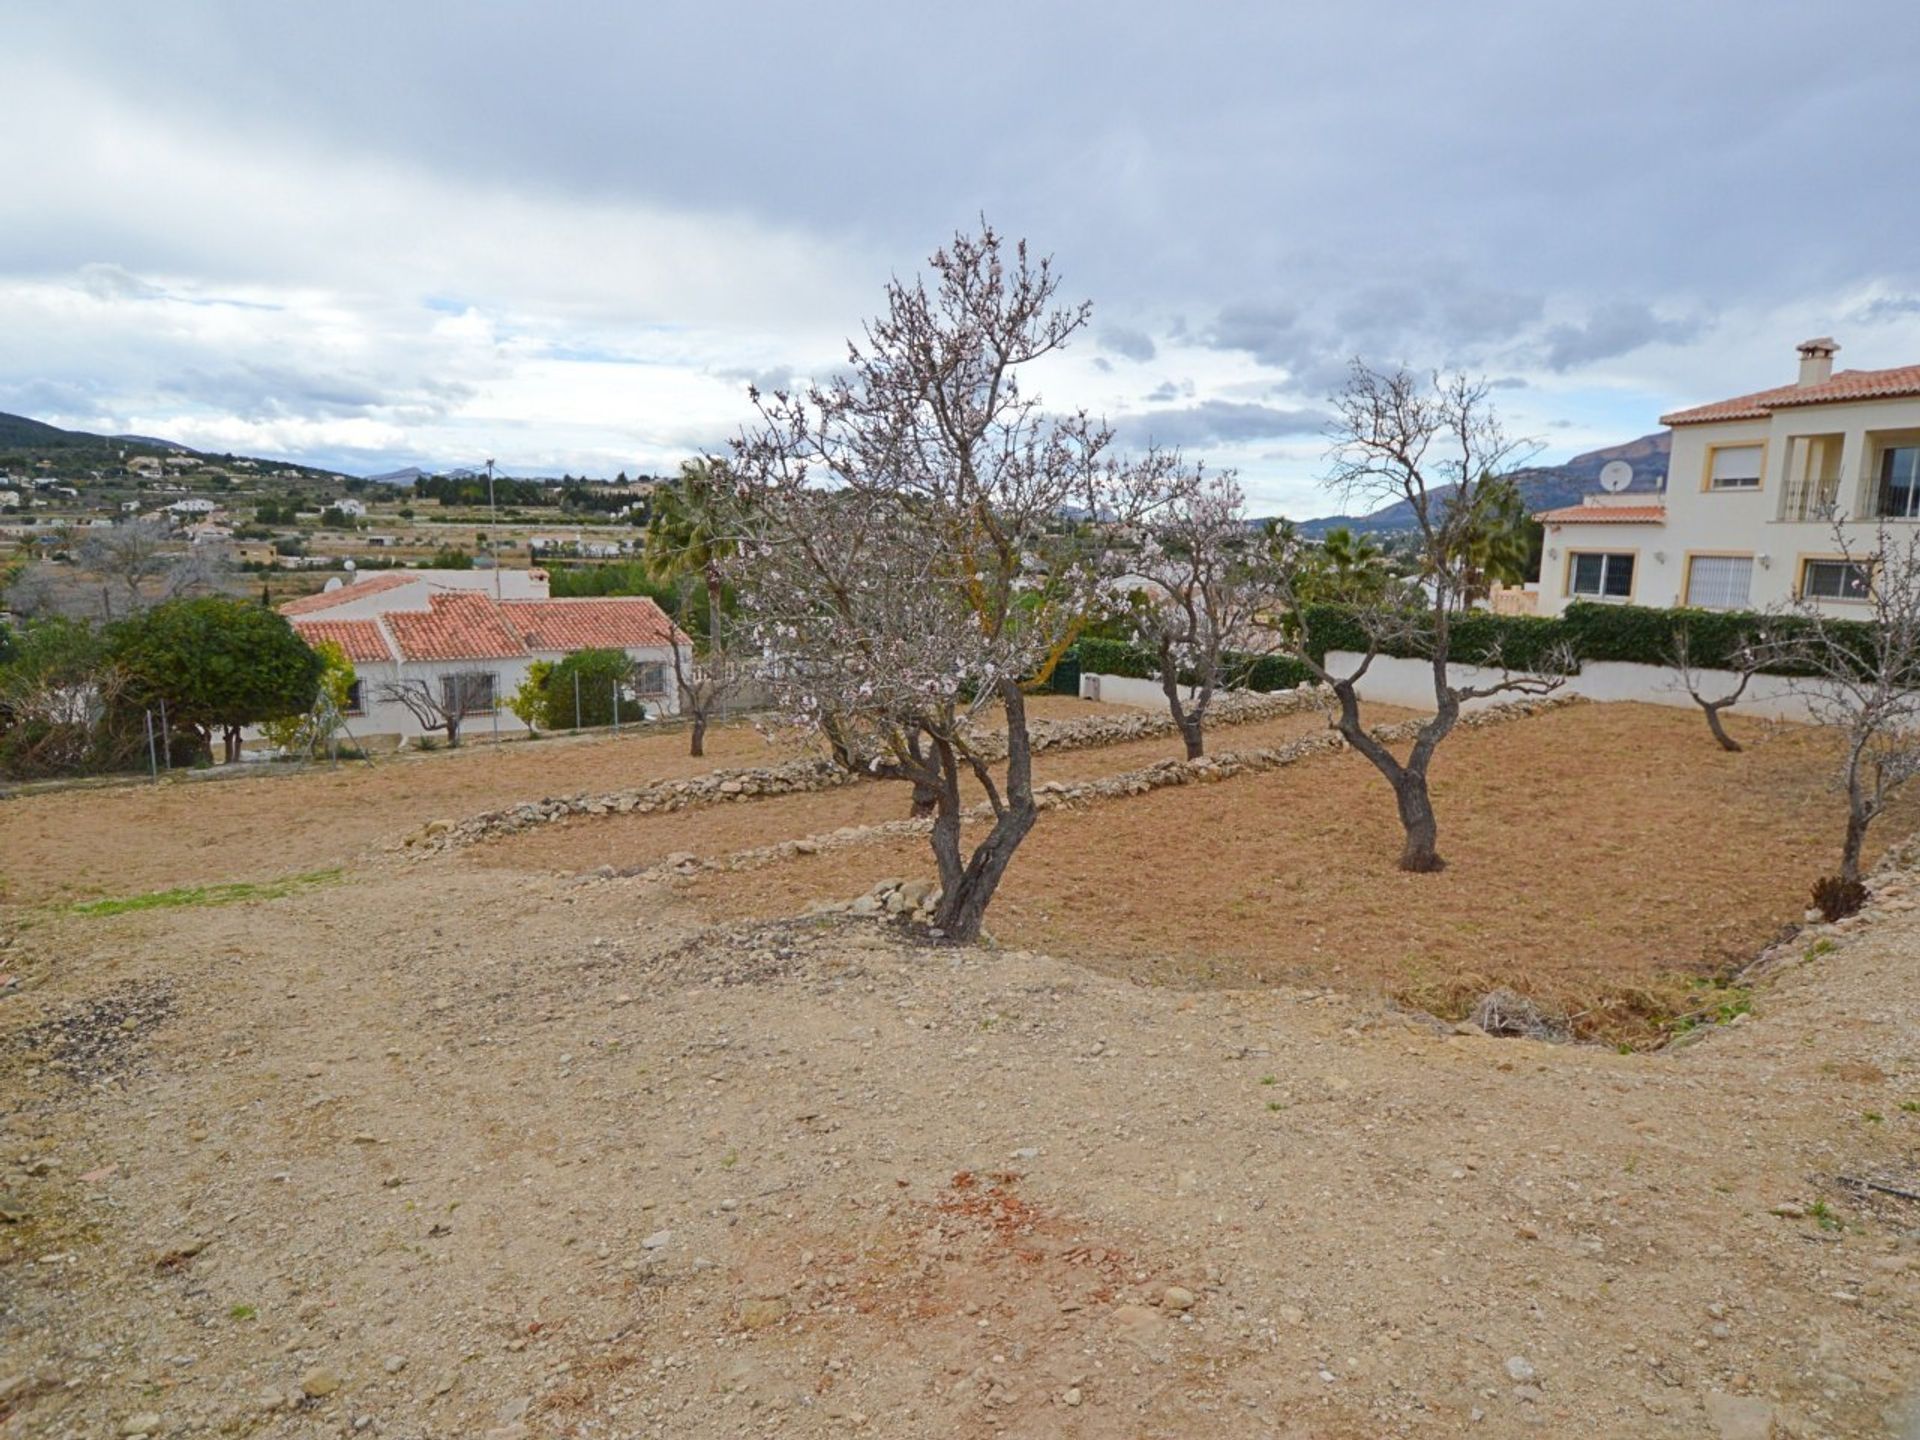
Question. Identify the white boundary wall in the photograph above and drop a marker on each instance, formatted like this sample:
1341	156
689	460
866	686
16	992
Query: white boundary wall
1409	683
1127	690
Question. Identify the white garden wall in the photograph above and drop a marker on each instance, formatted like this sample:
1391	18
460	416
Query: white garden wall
1127	690
1393	681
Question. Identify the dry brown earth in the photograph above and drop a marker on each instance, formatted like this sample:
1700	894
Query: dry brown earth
483	1152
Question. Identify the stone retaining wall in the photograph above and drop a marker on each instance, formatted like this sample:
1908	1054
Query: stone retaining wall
1058	795
816	773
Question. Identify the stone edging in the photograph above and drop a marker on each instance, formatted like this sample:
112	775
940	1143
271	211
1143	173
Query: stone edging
1057	795
815	773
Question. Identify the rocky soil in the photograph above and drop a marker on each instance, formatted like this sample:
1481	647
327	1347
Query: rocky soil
439	1151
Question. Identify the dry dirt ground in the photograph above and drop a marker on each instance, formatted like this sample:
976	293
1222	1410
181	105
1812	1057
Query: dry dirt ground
466	1150
271	822
1605	858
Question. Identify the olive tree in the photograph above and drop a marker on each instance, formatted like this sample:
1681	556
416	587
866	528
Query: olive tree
920	539
1435	445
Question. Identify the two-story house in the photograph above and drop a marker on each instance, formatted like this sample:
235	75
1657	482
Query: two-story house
1754	487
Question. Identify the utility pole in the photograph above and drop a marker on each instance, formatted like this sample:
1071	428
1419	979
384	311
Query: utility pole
493	542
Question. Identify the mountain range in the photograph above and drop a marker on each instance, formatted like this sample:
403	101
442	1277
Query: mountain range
26	442
1542	487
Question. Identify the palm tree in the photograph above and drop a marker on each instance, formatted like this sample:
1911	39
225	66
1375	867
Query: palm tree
688	536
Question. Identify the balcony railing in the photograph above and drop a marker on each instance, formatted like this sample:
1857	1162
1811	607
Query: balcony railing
1812	498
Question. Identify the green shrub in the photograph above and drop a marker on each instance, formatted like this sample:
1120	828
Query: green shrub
529	702
1252	672
1636	634
599	673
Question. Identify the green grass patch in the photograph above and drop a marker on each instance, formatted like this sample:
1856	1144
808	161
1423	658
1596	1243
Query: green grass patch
207	895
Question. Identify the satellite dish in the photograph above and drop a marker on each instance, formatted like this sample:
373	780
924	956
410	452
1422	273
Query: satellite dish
1615	476
348	567
331	585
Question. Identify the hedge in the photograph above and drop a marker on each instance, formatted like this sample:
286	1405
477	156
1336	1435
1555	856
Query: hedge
1637	634
1252	672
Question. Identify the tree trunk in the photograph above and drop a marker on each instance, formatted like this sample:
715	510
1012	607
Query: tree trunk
232	746
963	904
1188	723
943	803
1857	822
1420	853
965	894
1192	731
453	734
697	735
1727	742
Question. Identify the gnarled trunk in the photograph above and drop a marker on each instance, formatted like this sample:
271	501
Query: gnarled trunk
1713	709
697	735
1190	722
966	890
1420	852
1856	841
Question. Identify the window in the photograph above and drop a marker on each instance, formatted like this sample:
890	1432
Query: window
468	694
356	700
650	678
1720	582
1900	481
1834	580
1734	467
1602	577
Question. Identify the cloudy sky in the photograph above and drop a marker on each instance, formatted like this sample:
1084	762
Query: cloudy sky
569	234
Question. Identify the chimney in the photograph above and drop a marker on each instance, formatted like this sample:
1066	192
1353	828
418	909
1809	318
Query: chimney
1816	360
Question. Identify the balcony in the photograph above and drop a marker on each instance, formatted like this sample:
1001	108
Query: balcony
1812	498
1813	472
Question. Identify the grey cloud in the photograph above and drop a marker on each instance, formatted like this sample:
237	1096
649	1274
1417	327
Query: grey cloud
1616	328
1217	422
766	381
1268	332
116	282
1886	309
276	392
1129	343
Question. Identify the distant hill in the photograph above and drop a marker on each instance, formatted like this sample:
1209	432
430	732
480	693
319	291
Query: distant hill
25	443
1543	487
404	477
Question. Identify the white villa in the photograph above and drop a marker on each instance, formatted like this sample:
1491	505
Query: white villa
476	632
1754	485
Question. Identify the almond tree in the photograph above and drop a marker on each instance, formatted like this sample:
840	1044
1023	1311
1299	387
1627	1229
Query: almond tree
445	706
1199	586
1746	664
1862	678
1435	445
921	539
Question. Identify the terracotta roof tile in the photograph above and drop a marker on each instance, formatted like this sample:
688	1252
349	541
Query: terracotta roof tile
615	623
360	589
1901	380
456	625
1604	515
360	639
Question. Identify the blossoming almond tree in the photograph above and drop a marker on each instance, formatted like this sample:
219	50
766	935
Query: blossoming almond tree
1200	584
921	540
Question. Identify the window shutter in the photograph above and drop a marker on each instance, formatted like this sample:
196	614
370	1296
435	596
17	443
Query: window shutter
1736	465
1720	582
